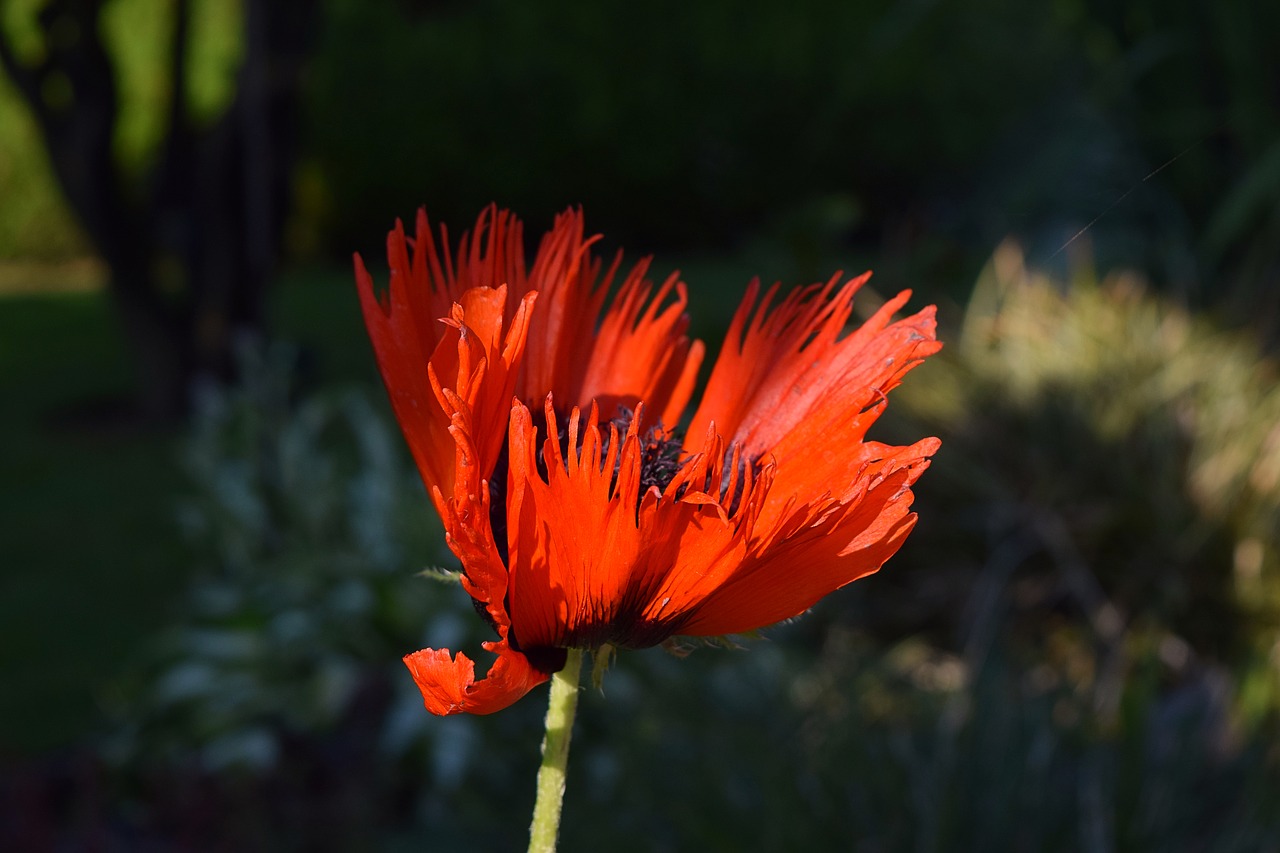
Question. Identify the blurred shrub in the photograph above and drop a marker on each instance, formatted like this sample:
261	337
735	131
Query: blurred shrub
1106	455
904	747
303	511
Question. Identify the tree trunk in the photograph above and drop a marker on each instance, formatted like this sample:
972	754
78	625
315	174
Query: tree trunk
157	346
216	201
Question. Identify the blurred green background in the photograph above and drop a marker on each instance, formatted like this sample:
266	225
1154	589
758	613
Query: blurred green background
208	573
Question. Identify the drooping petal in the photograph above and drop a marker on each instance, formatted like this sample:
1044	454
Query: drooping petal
466	524
449	686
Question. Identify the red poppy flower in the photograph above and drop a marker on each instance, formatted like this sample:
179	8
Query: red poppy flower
543	426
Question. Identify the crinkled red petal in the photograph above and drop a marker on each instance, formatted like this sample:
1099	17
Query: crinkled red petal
809	551
641	352
637	351
449	686
432	330
791	383
593	561
797	393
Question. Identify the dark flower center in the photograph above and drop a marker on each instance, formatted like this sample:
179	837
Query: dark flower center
660	451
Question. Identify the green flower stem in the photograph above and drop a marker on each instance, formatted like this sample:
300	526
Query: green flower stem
555	755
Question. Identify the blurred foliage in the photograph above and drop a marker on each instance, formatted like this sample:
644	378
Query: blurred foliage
139	33
927	131
1207	76
823	739
305	510
34	221
1108	456
851	743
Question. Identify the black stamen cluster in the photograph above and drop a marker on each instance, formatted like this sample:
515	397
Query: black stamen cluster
659	462
659	452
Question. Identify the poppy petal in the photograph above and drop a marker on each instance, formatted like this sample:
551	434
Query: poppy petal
476	366
806	552
564	274
790	385
637	351
641	352
467	529
402	356
573	540
424	342
449	685
784	380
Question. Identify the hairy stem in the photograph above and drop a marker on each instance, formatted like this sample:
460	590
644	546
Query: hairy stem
555	755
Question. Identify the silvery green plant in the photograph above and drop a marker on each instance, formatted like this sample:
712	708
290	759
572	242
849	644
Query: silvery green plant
302	591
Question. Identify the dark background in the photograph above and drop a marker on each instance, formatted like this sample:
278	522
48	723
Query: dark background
210	532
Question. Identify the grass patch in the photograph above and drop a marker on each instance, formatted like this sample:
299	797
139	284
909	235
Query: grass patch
90	555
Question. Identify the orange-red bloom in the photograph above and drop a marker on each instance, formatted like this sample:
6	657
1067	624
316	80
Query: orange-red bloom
542	423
